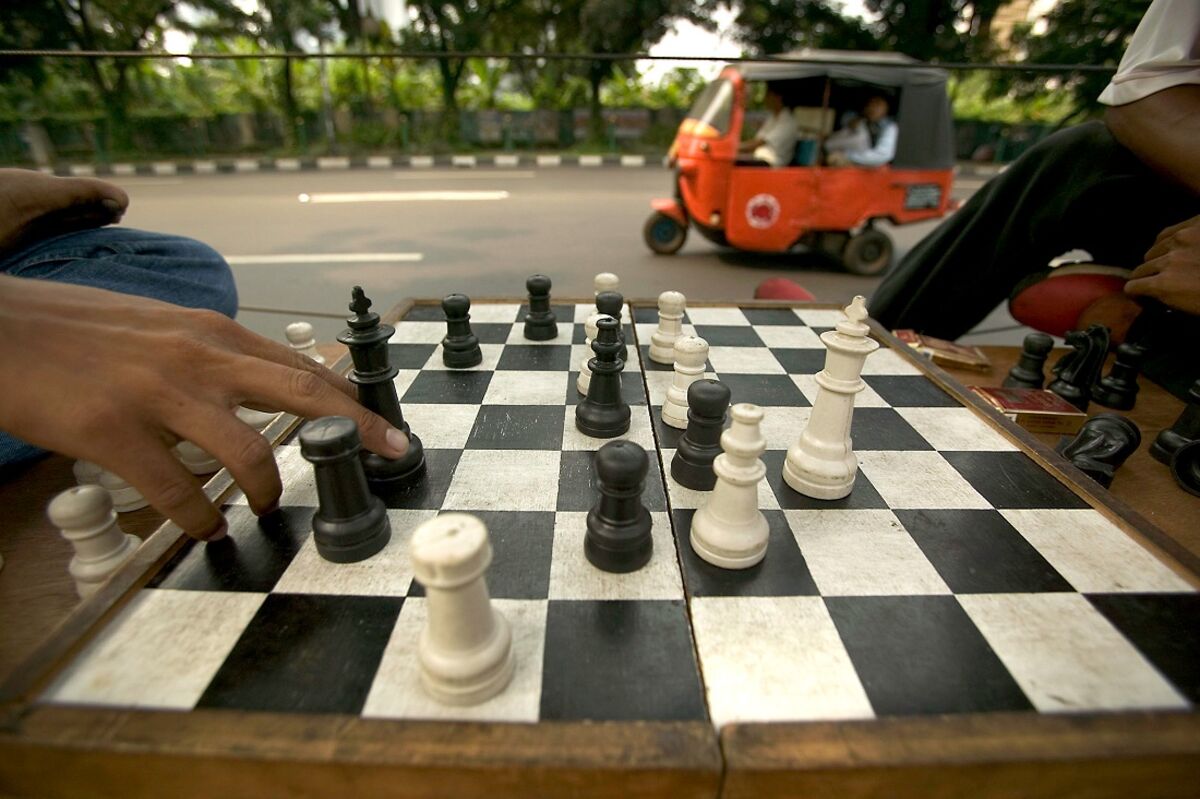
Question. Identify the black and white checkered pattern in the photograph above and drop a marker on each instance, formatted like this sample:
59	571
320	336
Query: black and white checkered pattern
957	577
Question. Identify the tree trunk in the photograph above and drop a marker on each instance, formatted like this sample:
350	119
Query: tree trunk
596	78
290	112
450	121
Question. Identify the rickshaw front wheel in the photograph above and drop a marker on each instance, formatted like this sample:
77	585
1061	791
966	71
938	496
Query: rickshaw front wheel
663	234
869	253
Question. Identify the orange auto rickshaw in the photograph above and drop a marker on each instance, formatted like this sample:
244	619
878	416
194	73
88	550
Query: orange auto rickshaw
809	203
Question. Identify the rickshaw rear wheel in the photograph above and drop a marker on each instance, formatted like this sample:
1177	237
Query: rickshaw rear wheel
663	234
869	253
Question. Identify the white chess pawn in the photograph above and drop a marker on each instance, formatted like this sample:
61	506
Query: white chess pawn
196	460
691	352
300	337
85	516
86	473
606	281
729	530
821	464
256	419
590	330
670	327
465	650
124	497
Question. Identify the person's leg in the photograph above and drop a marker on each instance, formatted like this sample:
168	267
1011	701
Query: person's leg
1076	189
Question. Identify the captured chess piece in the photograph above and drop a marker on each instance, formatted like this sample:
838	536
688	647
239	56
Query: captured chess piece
367	339
540	322
350	524
606	281
1103	443
1078	370
460	347
603	413
125	498
670	327
1118	389
1185	430
1185	465
465	649
611	303
821	464
86	473
585	372
196	460
1029	371
618	526
729	530
259	420
691	353
300	338
85	516
692	466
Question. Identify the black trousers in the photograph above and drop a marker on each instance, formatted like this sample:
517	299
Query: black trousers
1078	188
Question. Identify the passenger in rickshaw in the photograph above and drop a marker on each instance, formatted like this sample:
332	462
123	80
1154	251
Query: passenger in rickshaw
775	141
868	139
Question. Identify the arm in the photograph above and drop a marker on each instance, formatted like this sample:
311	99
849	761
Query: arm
882	153
1162	130
1171	273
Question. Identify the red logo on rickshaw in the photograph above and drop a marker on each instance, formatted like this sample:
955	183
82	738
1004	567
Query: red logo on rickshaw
762	211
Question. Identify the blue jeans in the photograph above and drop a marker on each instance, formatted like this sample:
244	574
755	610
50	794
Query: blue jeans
173	269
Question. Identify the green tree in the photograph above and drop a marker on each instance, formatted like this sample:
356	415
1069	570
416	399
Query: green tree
771	27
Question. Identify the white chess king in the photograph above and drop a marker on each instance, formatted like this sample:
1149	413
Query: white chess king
821	464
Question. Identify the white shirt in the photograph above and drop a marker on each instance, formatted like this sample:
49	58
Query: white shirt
778	134
856	143
1163	52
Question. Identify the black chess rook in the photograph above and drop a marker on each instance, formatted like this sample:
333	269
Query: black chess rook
540	322
692	466
612	304
367	339
1118	389
1029	371
618	527
603	413
460	347
350	523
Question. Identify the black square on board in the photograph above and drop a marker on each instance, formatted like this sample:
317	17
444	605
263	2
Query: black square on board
521	544
666	436
655	366
862	496
884	429
306	653
517	427
800	361
772	316
729	335
768	390
409	356
491	332
1012	480
530	358
562	313
448	387
428	491
633	388
425	313
910	391
578	490
979	552
783	572
1165	628
619	661
922	655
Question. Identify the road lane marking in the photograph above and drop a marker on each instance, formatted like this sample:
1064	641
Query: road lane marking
325	258
474	175
401	196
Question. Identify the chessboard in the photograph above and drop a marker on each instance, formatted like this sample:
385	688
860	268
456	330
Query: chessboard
974	613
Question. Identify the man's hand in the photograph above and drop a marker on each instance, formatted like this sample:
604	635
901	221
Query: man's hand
118	380
1171	273
33	206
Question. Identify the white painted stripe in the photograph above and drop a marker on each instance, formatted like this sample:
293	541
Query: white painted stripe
507	160
462	160
124	169
246	165
474	175
633	160
326	258
402	196
421	161
591	160
163	168
287	164
333	162
379	161
82	170
549	160
204	167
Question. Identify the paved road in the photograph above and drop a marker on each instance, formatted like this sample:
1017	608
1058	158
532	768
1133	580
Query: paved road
428	233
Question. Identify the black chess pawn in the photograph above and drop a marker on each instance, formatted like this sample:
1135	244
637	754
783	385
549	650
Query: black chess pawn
618	527
692	466
1185	465
1185	430
1103	443
350	523
1078	370
1029	371
1118	389
367	340
540	322
603	413
612	304
460	347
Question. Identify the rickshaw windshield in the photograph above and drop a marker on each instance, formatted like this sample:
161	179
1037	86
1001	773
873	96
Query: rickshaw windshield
713	107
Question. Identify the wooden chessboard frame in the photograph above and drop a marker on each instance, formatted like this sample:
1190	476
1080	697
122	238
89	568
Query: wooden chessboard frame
63	751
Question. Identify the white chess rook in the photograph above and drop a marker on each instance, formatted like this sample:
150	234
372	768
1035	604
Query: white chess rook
300	338
606	281
670	327
590	330
690	354
465	650
729	530
85	516
821	464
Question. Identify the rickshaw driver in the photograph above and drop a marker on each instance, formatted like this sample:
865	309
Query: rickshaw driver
866	140
775	141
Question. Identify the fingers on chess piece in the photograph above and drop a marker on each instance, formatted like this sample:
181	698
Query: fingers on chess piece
1078	370
691	353
1029	371
540	322
1119	388
1185	430
618	527
1185	466
85	516
729	530
603	413
692	466
460	347
465	650
585	371
671	306
611	303
1103	443
350	524
606	281
301	338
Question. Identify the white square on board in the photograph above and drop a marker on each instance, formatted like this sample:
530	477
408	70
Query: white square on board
885	361
495	312
795	337
717	316
491	357
572	576
955	430
498	479
639	432
565	331
782	425
744	360
441	426
917	480
512	387
418	333
818	317
690	499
